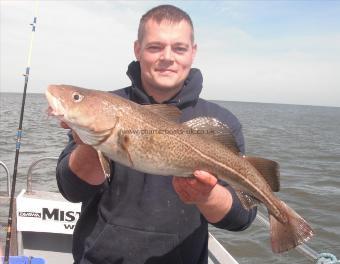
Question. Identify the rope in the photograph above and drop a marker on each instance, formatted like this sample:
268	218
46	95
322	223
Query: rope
327	258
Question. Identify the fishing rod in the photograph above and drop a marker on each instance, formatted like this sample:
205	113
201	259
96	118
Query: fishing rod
18	141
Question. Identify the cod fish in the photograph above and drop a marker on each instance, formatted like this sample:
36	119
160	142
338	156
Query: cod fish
148	138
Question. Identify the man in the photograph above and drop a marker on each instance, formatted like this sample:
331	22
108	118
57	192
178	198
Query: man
143	218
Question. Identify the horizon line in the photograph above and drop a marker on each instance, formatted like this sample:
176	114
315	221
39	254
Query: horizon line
235	101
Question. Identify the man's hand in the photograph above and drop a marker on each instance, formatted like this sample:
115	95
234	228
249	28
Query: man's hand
84	161
195	190
213	200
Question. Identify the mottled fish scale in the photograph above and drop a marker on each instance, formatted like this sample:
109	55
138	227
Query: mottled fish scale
195	154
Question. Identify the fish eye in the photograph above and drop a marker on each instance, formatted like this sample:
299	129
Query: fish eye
77	97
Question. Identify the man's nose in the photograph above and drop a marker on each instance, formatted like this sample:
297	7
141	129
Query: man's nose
167	54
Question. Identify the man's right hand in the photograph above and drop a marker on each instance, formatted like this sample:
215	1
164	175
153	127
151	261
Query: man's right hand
84	161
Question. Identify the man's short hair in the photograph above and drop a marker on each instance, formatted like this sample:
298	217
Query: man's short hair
169	13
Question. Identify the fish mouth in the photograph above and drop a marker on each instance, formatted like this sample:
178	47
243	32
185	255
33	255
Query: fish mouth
55	107
52	112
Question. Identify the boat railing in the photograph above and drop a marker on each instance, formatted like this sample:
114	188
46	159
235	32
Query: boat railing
30	171
8	178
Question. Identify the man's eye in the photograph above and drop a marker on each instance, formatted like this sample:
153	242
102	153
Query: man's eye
180	49
154	48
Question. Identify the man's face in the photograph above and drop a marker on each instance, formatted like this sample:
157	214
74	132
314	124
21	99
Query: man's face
166	54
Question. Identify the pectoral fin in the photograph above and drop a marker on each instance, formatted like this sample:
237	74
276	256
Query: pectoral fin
124	143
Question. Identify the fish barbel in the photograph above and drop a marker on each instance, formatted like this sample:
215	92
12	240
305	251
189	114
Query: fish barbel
148	138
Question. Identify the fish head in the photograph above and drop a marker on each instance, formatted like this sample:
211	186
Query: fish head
91	110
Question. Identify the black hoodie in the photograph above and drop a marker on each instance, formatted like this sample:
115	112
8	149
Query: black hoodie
138	217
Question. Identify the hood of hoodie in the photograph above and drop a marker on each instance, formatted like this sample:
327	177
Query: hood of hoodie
188	95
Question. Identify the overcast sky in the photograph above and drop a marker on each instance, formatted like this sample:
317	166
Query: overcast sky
258	51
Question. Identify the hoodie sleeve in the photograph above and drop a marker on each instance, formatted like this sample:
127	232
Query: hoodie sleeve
70	185
238	218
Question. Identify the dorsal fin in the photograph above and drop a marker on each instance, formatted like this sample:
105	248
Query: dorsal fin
269	169
215	129
169	112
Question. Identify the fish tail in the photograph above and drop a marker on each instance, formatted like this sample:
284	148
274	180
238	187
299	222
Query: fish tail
290	233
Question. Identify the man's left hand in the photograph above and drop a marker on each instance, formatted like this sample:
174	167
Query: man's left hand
195	190
212	199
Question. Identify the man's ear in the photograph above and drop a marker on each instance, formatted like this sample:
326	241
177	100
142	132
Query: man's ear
194	50
137	48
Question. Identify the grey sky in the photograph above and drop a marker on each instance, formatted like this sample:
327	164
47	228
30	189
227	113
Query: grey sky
286	52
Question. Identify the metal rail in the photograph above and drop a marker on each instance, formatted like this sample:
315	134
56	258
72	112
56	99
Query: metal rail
30	170
8	178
